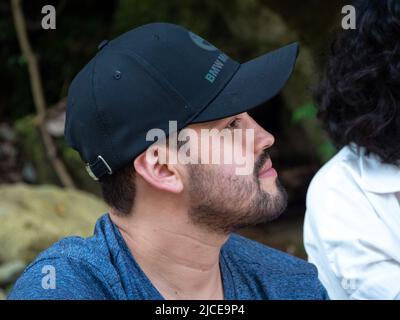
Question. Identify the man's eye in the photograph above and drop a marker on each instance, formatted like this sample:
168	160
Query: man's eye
233	124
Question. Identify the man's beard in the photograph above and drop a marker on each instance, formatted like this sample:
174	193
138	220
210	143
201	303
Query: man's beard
224	203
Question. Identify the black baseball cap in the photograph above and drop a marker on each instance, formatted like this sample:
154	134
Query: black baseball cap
156	73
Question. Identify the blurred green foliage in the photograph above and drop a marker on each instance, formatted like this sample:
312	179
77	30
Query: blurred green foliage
326	149
304	112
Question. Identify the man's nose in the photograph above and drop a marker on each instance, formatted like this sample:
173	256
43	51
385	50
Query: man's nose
262	138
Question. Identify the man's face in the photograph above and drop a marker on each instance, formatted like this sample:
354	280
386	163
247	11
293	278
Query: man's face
221	199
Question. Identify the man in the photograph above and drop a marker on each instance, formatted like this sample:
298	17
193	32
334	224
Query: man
168	234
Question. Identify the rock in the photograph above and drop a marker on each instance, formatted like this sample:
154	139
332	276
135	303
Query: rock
2	295
34	217
10	271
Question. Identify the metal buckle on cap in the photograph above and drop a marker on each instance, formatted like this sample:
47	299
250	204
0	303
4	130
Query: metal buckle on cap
90	171
106	164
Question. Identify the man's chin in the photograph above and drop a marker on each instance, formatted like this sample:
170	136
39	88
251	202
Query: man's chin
281	201
270	186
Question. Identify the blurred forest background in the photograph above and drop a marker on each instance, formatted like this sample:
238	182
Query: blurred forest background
35	165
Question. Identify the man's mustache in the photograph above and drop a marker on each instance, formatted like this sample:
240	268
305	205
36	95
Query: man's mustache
261	161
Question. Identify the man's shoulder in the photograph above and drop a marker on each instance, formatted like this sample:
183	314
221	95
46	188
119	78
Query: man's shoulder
96	249
271	260
85	250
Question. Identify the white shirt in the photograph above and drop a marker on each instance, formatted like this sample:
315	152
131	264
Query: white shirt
352	226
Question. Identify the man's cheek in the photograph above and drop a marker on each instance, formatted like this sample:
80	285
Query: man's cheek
245	170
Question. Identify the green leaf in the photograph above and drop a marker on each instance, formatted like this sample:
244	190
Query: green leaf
327	150
306	111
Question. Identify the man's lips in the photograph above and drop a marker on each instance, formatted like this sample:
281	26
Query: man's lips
267	170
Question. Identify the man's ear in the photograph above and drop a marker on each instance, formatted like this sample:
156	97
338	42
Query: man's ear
158	173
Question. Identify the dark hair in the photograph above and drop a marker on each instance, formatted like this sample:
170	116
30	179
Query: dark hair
358	98
119	189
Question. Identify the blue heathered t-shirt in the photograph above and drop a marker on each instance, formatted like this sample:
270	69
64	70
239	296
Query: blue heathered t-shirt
102	267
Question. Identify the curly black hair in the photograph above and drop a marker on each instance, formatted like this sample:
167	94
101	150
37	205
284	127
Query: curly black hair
358	97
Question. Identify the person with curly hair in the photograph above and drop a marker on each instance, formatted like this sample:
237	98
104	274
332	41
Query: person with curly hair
352	223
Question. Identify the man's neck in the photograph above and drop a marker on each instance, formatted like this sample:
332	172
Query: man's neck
180	260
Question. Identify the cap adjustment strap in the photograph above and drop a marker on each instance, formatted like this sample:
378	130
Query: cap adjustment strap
98	168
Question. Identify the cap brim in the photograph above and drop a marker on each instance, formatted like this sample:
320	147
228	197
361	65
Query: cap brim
254	83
